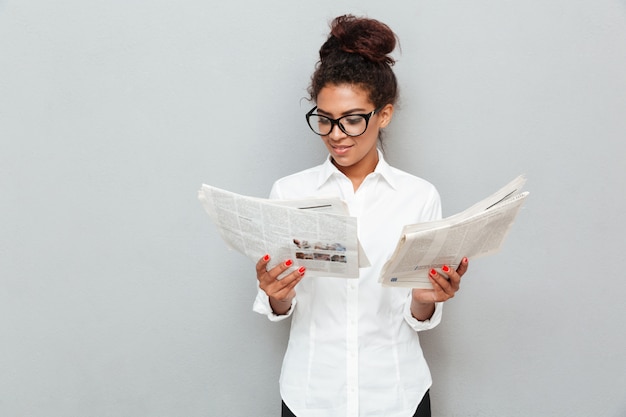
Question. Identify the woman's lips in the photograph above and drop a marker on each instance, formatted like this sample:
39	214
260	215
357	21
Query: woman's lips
341	149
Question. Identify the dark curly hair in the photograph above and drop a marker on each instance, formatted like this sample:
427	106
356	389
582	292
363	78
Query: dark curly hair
357	53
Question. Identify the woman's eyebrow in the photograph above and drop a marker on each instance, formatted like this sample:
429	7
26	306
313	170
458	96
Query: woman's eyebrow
351	111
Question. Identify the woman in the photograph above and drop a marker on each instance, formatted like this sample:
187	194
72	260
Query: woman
353	348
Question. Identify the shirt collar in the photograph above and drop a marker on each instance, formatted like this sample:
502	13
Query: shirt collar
383	169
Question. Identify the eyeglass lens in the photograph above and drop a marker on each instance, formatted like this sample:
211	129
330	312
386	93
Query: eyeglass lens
353	125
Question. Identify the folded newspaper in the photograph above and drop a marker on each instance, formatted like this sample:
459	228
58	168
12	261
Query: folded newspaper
477	231
316	233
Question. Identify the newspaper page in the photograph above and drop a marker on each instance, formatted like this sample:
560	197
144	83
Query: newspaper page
477	231
316	233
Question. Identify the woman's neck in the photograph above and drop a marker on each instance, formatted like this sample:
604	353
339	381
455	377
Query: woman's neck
356	173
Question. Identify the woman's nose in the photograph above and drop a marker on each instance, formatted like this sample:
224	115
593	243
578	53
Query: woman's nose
336	133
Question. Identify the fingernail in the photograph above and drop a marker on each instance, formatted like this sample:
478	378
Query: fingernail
464	260
301	270
289	262
266	258
445	268
433	272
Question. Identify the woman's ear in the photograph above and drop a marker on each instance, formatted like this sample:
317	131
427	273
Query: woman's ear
386	114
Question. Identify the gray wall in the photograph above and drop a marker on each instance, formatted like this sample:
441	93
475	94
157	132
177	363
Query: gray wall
117	297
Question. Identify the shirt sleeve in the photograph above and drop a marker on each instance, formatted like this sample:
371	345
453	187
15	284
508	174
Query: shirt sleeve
262	306
262	301
417	325
275	193
432	212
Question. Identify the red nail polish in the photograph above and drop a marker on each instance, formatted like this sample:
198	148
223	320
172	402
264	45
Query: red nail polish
289	262
301	270
266	258
433	272
445	268
464	260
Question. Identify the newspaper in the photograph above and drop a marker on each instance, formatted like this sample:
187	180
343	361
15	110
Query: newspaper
477	231
316	233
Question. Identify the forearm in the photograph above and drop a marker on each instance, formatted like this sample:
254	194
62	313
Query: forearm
422	311
280	307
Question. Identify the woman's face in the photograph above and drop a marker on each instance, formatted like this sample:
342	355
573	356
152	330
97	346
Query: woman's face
356	155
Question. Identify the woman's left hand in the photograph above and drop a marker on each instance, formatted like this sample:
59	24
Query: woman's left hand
443	289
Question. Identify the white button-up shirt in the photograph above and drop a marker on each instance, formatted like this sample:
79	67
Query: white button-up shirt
353	348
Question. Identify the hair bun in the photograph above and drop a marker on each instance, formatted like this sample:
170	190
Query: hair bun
369	38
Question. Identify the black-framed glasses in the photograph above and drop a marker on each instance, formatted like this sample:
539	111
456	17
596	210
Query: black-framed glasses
350	124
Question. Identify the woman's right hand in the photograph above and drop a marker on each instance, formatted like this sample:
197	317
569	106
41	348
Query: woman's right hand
280	291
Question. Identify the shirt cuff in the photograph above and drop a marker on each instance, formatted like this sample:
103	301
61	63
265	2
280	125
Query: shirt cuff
419	326
262	306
